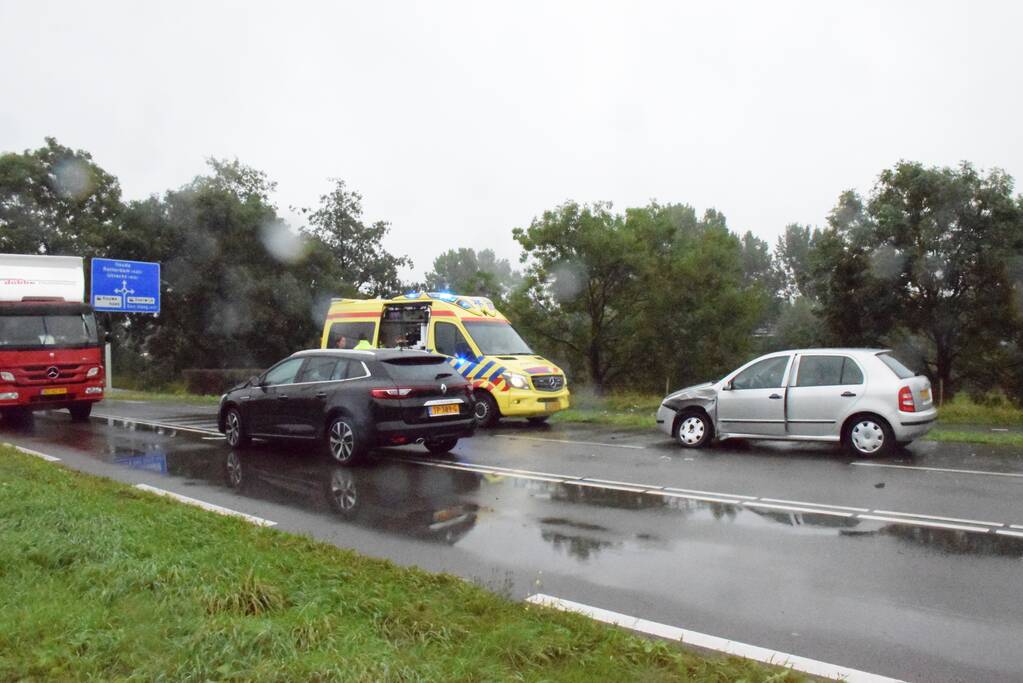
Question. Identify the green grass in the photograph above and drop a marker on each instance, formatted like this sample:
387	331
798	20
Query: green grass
182	397
962	411
626	409
101	581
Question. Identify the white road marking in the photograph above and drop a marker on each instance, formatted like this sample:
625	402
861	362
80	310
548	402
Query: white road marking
29	451
800	502
1005	532
162	425
730	647
921	522
690	496
258	521
570	441
709	493
214	438
793	508
940	519
999	429
950	470
606	487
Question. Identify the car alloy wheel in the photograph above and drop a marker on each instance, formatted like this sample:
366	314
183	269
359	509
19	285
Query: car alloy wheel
342	441
233	428
234	470
867	436
343	492
691	430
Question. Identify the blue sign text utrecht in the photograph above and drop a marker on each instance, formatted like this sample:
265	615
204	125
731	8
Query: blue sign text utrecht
125	286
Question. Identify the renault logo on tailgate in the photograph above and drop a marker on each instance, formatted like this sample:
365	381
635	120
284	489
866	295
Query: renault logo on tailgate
443	388
53	372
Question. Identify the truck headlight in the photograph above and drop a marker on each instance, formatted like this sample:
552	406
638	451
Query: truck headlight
7	376
92	372
517	381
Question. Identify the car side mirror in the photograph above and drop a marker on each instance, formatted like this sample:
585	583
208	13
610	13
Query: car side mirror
727	386
253	381
107	337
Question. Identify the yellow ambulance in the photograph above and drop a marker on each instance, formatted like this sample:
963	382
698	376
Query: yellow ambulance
509	379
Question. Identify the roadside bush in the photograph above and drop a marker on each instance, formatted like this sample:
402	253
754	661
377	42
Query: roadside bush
215	381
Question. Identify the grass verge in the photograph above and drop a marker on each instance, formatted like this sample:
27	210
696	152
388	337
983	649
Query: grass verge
191	399
987	438
101	581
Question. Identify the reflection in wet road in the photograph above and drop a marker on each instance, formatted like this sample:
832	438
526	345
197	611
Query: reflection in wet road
900	599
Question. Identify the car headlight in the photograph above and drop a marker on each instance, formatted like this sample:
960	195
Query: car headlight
517	381
7	376
92	372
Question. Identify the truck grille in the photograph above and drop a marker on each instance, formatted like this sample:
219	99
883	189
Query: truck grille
548	382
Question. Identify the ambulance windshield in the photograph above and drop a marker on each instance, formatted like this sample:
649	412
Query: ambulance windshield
497	339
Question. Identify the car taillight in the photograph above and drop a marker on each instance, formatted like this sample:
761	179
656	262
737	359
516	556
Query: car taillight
391	394
906	404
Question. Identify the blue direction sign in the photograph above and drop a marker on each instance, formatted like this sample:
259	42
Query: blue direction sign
125	286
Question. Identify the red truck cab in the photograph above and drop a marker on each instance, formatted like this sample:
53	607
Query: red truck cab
50	348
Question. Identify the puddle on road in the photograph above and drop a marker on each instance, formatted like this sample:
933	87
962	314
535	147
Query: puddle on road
574	523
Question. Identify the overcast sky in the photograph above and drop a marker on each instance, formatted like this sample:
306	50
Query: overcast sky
460	121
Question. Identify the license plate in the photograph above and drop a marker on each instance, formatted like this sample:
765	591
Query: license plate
451	409
551	405
53	391
925	395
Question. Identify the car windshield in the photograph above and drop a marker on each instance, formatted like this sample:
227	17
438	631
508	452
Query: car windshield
900	370
497	339
41	331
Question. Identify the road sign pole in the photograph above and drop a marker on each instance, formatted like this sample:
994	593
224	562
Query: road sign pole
108	367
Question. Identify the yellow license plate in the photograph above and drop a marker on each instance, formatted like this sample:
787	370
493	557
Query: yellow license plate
551	405
451	409
53	391
925	395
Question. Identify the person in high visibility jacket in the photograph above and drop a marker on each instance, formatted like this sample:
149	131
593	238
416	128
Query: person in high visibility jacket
363	344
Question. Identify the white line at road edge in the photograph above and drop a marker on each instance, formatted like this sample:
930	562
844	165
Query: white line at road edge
29	451
259	521
951	470
702	640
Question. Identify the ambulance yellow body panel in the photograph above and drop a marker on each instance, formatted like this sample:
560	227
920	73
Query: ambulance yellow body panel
482	344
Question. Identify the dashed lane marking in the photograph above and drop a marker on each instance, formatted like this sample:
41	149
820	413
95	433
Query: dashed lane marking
949	470
258	521
716	643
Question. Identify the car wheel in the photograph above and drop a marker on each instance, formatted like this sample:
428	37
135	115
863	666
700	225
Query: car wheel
869	435
486	409
342	492
233	470
537	421
343	442
693	430
440	445
80	412
234	429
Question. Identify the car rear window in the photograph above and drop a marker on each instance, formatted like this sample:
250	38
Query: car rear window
421	368
900	370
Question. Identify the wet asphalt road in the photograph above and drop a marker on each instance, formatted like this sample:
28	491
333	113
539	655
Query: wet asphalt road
910	567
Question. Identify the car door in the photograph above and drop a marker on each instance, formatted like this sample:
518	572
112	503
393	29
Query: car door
268	399
753	400
304	413
824	391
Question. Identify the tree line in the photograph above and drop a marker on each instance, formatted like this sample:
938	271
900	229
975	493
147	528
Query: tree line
930	263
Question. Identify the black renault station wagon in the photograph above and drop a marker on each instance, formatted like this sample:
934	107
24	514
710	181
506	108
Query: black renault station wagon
353	401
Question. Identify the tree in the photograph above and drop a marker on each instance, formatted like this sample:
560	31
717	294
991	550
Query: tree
55	200
468	271
357	247
929	255
578	281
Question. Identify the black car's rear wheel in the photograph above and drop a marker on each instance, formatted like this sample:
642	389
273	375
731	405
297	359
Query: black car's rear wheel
440	445
343	441
234	429
486	409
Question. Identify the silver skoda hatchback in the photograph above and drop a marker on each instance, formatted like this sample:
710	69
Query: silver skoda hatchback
864	398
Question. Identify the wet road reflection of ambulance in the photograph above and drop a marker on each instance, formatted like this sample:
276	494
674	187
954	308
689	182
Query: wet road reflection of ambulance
510	380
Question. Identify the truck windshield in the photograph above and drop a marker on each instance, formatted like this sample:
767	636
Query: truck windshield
41	331
497	339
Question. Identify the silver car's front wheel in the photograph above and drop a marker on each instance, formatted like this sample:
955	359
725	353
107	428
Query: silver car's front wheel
693	430
870	436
